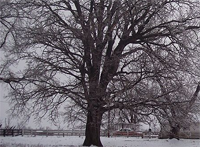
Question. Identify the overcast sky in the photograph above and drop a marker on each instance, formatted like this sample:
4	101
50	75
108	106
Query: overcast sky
4	107
4	115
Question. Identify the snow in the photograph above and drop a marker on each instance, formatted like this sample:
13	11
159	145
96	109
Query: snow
75	141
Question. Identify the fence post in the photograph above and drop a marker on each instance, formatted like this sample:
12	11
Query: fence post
12	131
22	132
4	132
46	133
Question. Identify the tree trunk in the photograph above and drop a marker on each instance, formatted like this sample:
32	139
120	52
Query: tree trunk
174	132
92	132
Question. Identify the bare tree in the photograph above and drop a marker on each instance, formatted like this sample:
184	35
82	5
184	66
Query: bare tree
95	53
8	17
180	113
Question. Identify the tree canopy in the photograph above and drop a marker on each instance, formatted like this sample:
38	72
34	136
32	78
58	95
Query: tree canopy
100	54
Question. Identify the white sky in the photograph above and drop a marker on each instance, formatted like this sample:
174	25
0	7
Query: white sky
4	115
4	107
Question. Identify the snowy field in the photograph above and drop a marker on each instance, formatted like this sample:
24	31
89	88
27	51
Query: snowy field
73	141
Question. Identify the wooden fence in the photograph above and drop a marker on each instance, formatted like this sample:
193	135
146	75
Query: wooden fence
10	132
39	132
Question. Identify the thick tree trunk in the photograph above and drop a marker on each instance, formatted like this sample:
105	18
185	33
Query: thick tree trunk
174	132
92	133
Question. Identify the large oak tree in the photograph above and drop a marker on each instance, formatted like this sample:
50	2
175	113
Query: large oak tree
101	54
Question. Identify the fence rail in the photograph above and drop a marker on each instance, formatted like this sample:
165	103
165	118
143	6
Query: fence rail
39	132
10	132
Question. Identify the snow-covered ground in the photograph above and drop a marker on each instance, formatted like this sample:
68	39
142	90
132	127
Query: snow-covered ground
73	141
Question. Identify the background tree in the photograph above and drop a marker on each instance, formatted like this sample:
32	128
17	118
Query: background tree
180	114
6	22
102	55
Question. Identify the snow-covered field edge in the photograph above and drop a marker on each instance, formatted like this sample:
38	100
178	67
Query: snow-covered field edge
74	141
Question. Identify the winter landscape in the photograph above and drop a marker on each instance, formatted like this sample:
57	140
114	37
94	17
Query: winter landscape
100	65
74	141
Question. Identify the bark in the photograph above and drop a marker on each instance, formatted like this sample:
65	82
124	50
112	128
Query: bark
92	133
174	132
